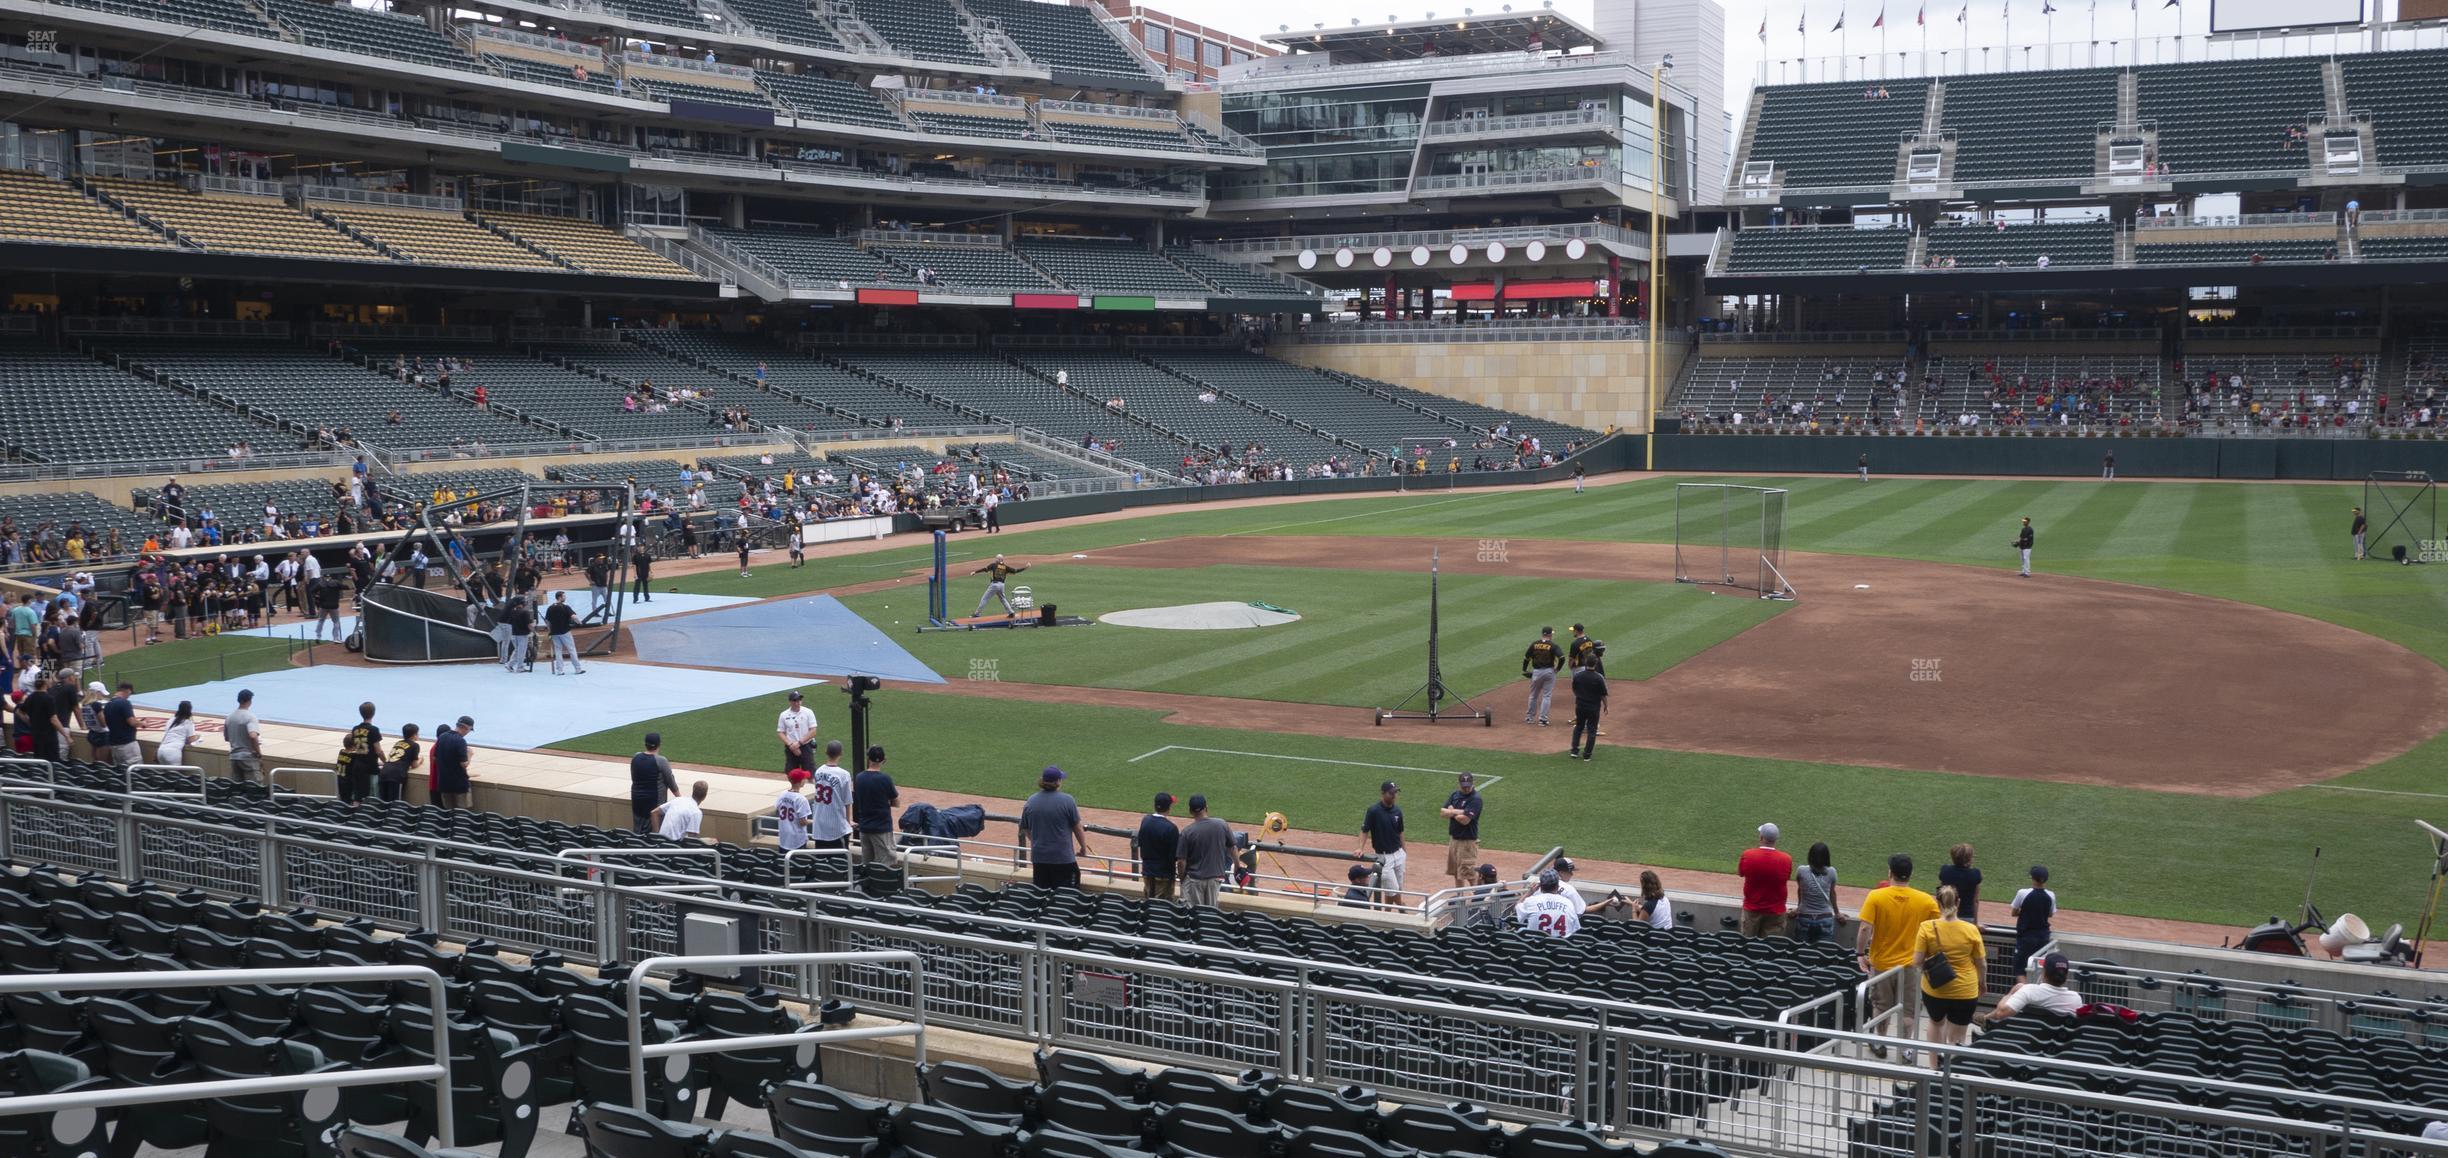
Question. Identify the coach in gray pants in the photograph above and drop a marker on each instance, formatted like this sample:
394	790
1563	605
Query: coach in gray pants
1539	666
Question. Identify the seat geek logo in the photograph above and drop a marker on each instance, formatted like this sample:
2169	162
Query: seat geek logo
42	40
1492	551
2431	551
1924	671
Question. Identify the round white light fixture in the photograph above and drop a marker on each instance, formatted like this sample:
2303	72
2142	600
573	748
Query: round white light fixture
1383	257
1496	251
1308	259
1343	258
1458	254
1575	248
1419	255
1535	251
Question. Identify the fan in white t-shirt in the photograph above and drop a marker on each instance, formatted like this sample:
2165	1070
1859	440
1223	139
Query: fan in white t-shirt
1546	911
680	819
2047	995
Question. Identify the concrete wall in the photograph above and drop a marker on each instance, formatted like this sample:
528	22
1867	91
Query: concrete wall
2343	459
1591	384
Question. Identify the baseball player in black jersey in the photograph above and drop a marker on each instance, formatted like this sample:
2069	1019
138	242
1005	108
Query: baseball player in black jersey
2023	543
1539	666
2361	525
1577	653
995	573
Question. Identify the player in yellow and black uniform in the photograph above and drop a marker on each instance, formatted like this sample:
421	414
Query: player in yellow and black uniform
1539	665
995	573
1577	652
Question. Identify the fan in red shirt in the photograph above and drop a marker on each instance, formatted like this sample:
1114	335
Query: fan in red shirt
1764	871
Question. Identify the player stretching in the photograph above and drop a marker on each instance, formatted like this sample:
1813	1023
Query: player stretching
996	572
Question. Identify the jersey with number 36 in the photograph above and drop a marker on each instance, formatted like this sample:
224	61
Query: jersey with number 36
1547	913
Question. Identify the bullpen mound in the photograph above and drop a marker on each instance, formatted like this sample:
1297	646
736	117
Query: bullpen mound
1200	617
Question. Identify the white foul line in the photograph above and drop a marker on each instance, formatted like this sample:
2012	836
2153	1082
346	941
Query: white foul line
1484	781
2378	791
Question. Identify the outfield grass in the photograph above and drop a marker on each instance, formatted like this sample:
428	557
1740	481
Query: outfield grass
203	660
1359	642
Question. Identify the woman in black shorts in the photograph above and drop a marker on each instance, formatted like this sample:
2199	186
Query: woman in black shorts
1958	941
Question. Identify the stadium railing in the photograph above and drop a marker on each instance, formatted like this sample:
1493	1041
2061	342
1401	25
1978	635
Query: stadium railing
1525	330
438	1071
1565	1057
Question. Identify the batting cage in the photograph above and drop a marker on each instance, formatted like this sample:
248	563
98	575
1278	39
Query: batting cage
1731	536
2403	507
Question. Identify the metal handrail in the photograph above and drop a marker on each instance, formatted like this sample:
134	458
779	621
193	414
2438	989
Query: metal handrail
438	1071
639	1051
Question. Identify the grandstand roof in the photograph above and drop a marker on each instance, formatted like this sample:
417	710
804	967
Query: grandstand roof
1451	36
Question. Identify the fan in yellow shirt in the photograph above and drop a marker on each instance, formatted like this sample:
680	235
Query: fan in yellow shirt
1950	1004
1891	920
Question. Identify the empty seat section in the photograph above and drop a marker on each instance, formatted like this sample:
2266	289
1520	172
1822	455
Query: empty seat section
548	72
234	224
987	269
588	246
1173	403
1119	136
789	21
925	29
2147	252
2076	243
34	207
316	390
1234	280
800	392
953	121
823	98
1833	248
537	388
1015	395
2403	248
1832	136
219	15
1116	267
1061	37
54	397
1714	388
660	88
2403	94
1313	398
810	258
366	30
2231	116
431	237
2011	126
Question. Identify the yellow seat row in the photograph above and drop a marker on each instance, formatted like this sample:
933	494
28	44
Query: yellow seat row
234	224
589	246
436	238
34	207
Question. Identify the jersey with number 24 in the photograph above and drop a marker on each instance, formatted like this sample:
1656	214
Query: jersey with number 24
1547	913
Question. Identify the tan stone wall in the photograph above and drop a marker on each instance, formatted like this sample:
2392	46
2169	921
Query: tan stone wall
1591	384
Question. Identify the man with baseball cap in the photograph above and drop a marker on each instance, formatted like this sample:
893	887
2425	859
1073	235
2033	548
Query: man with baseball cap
2047	995
1546	911
1159	846
795	728
1461	814
1381	837
792	813
1051	834
1764	871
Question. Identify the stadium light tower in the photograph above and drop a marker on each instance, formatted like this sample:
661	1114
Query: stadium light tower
1657	263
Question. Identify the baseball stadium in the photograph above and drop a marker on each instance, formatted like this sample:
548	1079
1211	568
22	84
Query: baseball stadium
884	579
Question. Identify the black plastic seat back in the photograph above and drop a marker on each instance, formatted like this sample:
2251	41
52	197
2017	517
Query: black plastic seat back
1307	1107
1437	1130
1206	1132
1097	1114
824	1120
75	1133
939	1132
1320	1142
978	1093
619	1132
1179	1087
1064	1066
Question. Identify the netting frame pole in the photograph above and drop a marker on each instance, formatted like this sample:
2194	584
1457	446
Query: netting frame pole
2424	503
1768	506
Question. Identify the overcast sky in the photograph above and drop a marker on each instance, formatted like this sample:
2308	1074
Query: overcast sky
1986	25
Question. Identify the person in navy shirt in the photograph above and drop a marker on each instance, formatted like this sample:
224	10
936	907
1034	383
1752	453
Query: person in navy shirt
873	796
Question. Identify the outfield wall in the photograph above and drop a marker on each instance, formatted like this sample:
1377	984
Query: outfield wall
2206	458
1620	453
1593	384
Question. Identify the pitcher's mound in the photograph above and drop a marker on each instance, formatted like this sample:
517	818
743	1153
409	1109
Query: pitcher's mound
1200	617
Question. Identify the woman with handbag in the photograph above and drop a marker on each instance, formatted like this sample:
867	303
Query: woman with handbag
1950	953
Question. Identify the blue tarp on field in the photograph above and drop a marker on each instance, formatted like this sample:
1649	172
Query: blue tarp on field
811	636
